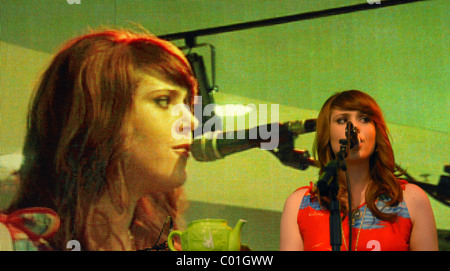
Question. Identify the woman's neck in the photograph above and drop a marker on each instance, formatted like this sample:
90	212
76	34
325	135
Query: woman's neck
109	220
359	176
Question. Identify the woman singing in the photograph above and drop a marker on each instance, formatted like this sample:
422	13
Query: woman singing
102	165
387	213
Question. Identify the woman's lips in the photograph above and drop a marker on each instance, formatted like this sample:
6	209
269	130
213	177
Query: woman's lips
183	149
358	145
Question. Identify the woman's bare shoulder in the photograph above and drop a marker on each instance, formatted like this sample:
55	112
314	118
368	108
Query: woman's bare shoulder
296	197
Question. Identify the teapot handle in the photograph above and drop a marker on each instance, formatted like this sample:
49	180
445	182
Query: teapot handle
170	239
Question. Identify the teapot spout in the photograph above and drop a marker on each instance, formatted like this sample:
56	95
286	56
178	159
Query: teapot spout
234	243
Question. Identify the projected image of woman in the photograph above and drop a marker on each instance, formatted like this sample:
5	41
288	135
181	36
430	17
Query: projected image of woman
100	154
387	212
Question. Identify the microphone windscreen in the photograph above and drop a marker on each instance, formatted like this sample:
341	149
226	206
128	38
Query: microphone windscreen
204	148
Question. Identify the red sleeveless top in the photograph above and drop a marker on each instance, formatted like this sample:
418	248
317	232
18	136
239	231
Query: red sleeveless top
368	232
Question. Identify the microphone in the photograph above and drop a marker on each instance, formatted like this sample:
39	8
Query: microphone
216	145
351	133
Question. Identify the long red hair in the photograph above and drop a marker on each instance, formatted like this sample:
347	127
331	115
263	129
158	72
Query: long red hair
73	144
383	169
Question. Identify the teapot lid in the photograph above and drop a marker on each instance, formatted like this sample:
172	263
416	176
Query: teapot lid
208	220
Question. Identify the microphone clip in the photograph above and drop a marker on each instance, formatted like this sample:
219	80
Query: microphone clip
350	141
289	156
351	134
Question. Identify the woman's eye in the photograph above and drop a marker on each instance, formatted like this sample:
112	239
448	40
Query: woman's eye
162	101
365	119
341	120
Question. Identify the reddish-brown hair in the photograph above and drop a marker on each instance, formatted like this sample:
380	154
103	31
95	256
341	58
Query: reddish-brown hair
73	143
383	169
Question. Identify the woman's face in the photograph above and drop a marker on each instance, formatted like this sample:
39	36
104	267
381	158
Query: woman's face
366	135
157	151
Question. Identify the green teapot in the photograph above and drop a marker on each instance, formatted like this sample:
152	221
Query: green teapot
208	235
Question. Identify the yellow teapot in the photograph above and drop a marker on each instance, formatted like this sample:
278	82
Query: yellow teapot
208	235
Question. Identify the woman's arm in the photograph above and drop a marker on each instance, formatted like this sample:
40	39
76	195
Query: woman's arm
290	238
423	233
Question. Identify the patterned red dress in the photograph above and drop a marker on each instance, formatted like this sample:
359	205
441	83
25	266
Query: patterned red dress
368	232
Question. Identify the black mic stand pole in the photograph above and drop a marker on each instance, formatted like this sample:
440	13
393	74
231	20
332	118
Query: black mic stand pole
328	185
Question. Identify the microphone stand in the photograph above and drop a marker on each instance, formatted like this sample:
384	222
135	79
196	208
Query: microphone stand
291	157
328	185
440	192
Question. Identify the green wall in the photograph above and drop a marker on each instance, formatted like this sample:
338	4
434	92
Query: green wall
396	54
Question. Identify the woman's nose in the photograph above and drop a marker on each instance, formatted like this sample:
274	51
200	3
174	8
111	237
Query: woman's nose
184	125
194	122
354	125
357	126
190	120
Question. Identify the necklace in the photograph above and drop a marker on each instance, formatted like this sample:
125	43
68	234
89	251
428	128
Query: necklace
354	217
